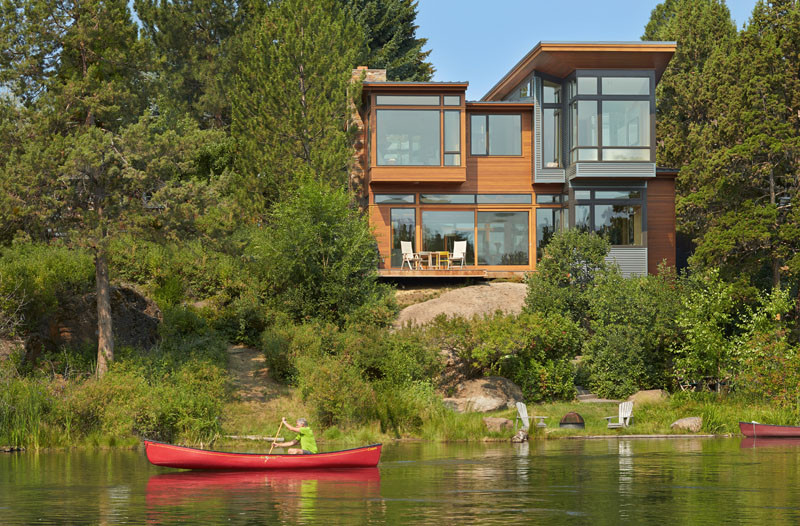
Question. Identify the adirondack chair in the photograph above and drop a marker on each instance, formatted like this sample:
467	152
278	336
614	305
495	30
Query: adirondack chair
522	415
624	418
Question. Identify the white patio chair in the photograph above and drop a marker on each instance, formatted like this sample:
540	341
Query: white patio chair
624	418
459	253
522	416
408	255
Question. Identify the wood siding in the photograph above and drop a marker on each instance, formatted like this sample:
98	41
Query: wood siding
660	222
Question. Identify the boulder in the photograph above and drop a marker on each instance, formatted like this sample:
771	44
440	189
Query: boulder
456	371
692	423
497	424
484	394
135	321
650	396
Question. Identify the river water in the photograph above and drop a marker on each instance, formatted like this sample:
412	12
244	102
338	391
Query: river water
609	481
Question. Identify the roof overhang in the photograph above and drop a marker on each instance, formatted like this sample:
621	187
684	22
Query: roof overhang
560	59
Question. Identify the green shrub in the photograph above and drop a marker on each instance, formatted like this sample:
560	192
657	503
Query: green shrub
33	278
633	331
336	390
531	349
567	270
317	255
706	321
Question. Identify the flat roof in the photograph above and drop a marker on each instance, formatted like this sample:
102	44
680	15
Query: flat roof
562	58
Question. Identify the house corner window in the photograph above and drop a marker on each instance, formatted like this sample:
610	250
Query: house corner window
611	118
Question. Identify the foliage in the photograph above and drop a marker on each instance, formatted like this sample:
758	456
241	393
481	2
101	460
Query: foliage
389	30
766	359
292	126
707	324
195	47
533	349
34	277
317	256
357	375
727	118
571	261
633	331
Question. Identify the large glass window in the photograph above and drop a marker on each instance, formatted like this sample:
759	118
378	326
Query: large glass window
601	118
617	214
447	199
496	134
508	199
408	137
502	238
551	138
452	138
551	92
626	86
403	227
441	229
407	100
548	222
621	224
626	123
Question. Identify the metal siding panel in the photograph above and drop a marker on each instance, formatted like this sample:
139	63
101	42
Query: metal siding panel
612	170
632	261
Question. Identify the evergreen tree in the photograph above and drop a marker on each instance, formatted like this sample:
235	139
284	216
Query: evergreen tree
77	68
390	33
290	101
749	180
194	42
687	91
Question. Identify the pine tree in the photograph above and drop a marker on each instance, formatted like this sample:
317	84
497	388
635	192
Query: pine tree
76	69
290	101
194	42
687	91
749	180
390	33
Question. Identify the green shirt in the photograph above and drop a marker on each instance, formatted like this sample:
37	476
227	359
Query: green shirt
306	438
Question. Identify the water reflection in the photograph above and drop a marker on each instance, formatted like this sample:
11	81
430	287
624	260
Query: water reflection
679	481
750	443
292	495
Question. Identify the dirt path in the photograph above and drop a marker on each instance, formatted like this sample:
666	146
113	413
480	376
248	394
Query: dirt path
467	302
250	375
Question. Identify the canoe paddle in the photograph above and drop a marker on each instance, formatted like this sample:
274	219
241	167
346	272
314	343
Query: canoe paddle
277	434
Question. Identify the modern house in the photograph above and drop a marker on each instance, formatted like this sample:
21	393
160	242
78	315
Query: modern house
566	139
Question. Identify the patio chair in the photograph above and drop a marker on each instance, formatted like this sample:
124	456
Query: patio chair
409	256
459	253
522	416
624	418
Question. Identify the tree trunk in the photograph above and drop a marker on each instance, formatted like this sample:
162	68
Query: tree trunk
105	338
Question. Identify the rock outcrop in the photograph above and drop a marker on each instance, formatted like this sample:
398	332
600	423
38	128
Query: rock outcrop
135	320
484	394
693	424
648	397
497	424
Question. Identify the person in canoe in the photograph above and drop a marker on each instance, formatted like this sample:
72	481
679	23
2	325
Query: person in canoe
305	438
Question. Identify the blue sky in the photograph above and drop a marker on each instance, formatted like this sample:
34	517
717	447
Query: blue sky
480	40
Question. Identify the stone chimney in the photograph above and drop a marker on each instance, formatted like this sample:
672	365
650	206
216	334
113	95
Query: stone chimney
358	170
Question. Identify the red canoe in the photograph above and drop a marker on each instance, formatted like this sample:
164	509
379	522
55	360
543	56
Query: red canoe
756	430
172	456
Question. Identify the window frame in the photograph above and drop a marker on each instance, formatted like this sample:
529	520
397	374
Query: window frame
489	133
572	98
442	108
593	200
